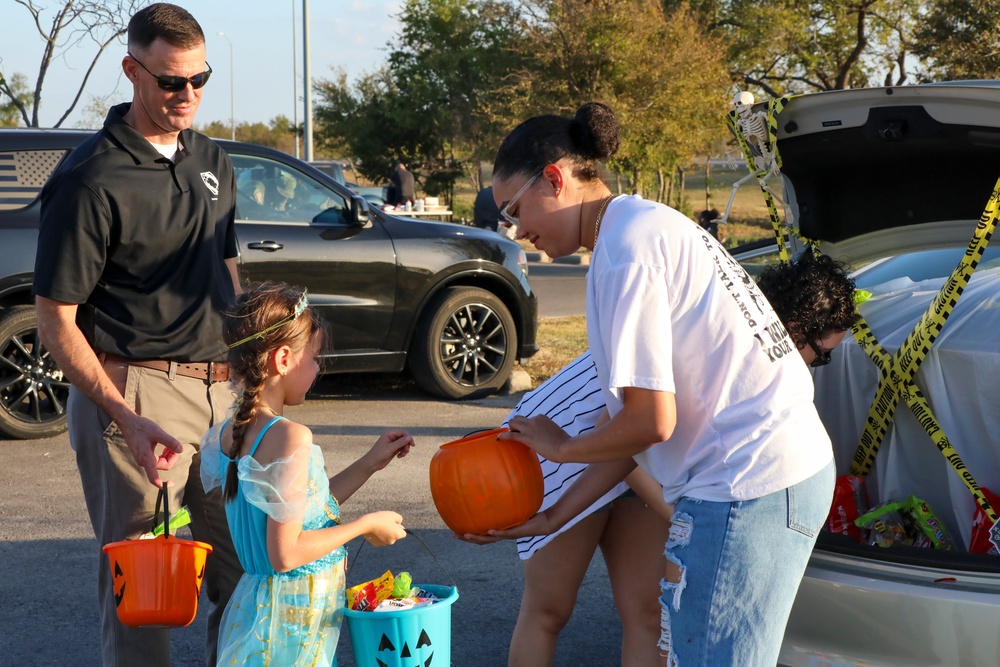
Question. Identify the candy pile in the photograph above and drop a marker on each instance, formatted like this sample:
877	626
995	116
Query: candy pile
388	593
909	522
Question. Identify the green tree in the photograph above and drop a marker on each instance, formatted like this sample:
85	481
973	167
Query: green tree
430	106
10	112
786	46
279	133
664	77
959	39
75	23
96	111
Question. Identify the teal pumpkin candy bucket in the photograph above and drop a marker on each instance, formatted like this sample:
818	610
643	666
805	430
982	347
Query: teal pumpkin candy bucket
405	638
413	637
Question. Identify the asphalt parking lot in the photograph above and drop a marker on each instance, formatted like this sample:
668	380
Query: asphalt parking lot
49	618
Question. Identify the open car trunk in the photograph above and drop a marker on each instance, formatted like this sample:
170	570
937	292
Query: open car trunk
872	173
959	378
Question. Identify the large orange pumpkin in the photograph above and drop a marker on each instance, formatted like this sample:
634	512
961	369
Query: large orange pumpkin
480	483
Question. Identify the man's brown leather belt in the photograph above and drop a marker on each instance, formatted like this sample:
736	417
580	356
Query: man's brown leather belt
218	371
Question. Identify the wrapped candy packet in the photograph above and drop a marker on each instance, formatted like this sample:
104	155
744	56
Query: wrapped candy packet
979	542
885	525
401	587
850	500
397	604
927	524
369	594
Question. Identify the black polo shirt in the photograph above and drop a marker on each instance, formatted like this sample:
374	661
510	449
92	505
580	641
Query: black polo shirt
139	242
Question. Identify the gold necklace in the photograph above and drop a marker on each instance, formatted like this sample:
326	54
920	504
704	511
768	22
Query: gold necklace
600	215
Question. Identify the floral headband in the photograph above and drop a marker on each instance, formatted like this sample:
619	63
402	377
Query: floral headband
300	308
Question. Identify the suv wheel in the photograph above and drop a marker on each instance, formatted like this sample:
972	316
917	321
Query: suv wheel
465	344
33	391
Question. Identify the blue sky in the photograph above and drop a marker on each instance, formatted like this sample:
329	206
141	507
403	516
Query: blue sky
352	34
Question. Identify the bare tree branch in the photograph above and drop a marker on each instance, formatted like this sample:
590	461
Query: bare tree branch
74	22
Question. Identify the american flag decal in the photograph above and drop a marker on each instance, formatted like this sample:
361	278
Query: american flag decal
22	175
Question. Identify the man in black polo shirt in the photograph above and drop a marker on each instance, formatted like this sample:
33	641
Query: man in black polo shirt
136	262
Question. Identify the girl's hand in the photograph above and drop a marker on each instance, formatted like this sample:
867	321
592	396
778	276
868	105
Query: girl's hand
392	444
384	528
539	432
540	524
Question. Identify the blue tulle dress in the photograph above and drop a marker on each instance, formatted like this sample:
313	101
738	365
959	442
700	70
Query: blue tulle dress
287	619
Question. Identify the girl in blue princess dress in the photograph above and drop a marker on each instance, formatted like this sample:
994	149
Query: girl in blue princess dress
282	510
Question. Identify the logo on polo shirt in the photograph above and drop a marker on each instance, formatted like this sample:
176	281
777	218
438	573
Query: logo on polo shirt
211	182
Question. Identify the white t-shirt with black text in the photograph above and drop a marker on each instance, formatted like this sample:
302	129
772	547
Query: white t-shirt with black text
668	309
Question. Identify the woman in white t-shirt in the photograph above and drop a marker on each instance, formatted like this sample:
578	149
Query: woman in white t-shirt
703	384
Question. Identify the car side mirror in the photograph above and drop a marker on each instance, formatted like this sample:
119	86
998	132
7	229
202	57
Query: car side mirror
360	212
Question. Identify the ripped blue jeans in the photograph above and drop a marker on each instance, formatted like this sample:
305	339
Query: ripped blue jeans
741	564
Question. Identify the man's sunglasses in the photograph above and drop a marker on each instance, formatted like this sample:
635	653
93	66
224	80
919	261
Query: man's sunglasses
822	356
176	84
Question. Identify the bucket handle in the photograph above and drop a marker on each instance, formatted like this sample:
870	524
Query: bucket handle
422	543
163	496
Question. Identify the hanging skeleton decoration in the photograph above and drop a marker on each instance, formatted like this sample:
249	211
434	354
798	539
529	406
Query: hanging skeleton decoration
753	126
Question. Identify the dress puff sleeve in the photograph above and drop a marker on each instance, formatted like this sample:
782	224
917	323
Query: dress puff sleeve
213	461
280	488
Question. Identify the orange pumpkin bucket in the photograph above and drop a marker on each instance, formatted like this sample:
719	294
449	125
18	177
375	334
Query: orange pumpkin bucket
157	581
480	483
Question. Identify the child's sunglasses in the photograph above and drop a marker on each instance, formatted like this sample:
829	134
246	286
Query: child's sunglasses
175	84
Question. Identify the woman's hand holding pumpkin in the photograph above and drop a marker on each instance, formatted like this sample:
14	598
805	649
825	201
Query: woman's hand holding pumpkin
540	524
540	433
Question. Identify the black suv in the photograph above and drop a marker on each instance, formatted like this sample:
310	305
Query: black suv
450	303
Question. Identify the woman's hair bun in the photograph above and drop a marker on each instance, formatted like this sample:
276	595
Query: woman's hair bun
595	131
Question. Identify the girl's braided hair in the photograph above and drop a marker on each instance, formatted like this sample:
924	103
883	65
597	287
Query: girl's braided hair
249	329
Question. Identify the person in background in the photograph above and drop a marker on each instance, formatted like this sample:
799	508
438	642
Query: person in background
701	387
284	192
403	189
485	213
137	262
814	297
708	219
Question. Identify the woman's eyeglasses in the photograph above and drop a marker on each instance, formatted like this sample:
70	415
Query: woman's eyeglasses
822	356
505	211
176	84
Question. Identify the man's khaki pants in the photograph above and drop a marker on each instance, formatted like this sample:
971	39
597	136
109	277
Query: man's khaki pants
121	501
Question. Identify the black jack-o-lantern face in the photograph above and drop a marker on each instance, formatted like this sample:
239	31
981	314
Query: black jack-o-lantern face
119	592
386	645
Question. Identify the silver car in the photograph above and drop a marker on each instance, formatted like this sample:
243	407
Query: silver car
895	182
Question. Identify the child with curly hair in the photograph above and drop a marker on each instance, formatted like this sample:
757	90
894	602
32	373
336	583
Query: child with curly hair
814	297
282	510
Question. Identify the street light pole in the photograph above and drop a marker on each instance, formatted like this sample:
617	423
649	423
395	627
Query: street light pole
307	138
295	84
232	87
